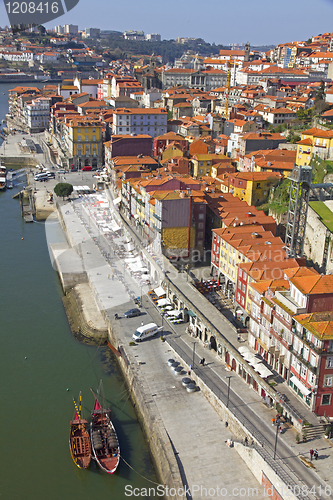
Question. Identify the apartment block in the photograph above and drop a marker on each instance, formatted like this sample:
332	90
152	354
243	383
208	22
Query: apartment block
151	121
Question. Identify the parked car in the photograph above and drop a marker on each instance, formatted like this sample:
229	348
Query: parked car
132	313
51	175
85	169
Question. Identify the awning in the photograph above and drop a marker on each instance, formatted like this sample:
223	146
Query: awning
174	312
117	200
304	390
191	313
243	349
159	291
136	216
163	302
263	371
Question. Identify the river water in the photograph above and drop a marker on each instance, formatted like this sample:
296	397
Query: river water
42	367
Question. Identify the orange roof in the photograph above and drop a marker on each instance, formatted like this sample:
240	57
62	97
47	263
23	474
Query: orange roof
140	111
319	323
305	142
317	132
300	271
311	285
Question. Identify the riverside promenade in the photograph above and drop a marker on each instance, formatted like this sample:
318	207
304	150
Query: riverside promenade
192	433
192	426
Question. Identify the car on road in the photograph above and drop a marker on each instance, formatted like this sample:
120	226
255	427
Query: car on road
61	171
132	313
51	175
86	169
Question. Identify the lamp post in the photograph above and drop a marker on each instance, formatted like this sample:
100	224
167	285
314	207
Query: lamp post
228	377
276	437
193	354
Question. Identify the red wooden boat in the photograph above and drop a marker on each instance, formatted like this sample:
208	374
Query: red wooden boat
79	440
104	440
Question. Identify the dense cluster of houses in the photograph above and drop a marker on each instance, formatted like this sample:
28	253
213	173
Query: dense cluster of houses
190	155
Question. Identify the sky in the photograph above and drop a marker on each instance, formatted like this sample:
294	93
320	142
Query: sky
261	22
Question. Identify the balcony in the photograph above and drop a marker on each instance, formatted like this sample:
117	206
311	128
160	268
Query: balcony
157	216
139	201
285	299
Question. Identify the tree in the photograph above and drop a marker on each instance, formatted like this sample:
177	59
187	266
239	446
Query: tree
63	189
320	94
293	138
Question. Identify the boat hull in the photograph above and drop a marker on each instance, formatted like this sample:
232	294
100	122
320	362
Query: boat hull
79	444
104	441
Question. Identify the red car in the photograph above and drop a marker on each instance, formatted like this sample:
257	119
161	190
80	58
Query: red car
85	169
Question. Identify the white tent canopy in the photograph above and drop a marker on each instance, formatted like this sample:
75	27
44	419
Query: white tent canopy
174	312
163	302
159	291
243	349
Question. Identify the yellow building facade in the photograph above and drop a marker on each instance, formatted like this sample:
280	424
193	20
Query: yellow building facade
83	138
314	142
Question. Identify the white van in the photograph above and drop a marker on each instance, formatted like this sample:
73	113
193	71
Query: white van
146	331
41	177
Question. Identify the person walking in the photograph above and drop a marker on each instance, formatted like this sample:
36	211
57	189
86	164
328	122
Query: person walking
315	454
311	454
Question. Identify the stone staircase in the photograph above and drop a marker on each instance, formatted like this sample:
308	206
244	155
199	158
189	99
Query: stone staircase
315	431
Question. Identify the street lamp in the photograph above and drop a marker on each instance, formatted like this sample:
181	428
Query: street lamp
277	431
193	354
228	377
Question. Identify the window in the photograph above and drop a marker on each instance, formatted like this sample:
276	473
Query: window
326	399
329	362
328	381
94	130
79	138
86	130
201	216
303	372
94	138
86	138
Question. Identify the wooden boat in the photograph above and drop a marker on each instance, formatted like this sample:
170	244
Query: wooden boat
104	440
79	440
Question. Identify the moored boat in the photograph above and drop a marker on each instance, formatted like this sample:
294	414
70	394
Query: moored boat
3	173
79	440
104	440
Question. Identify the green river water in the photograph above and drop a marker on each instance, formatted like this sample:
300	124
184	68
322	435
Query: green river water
36	406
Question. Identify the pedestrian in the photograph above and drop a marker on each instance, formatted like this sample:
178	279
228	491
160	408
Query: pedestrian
311	454
189	370
280	429
315	454
273	421
203	361
238	338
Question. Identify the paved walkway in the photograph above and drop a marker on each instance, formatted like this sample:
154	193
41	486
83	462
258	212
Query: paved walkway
180	411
